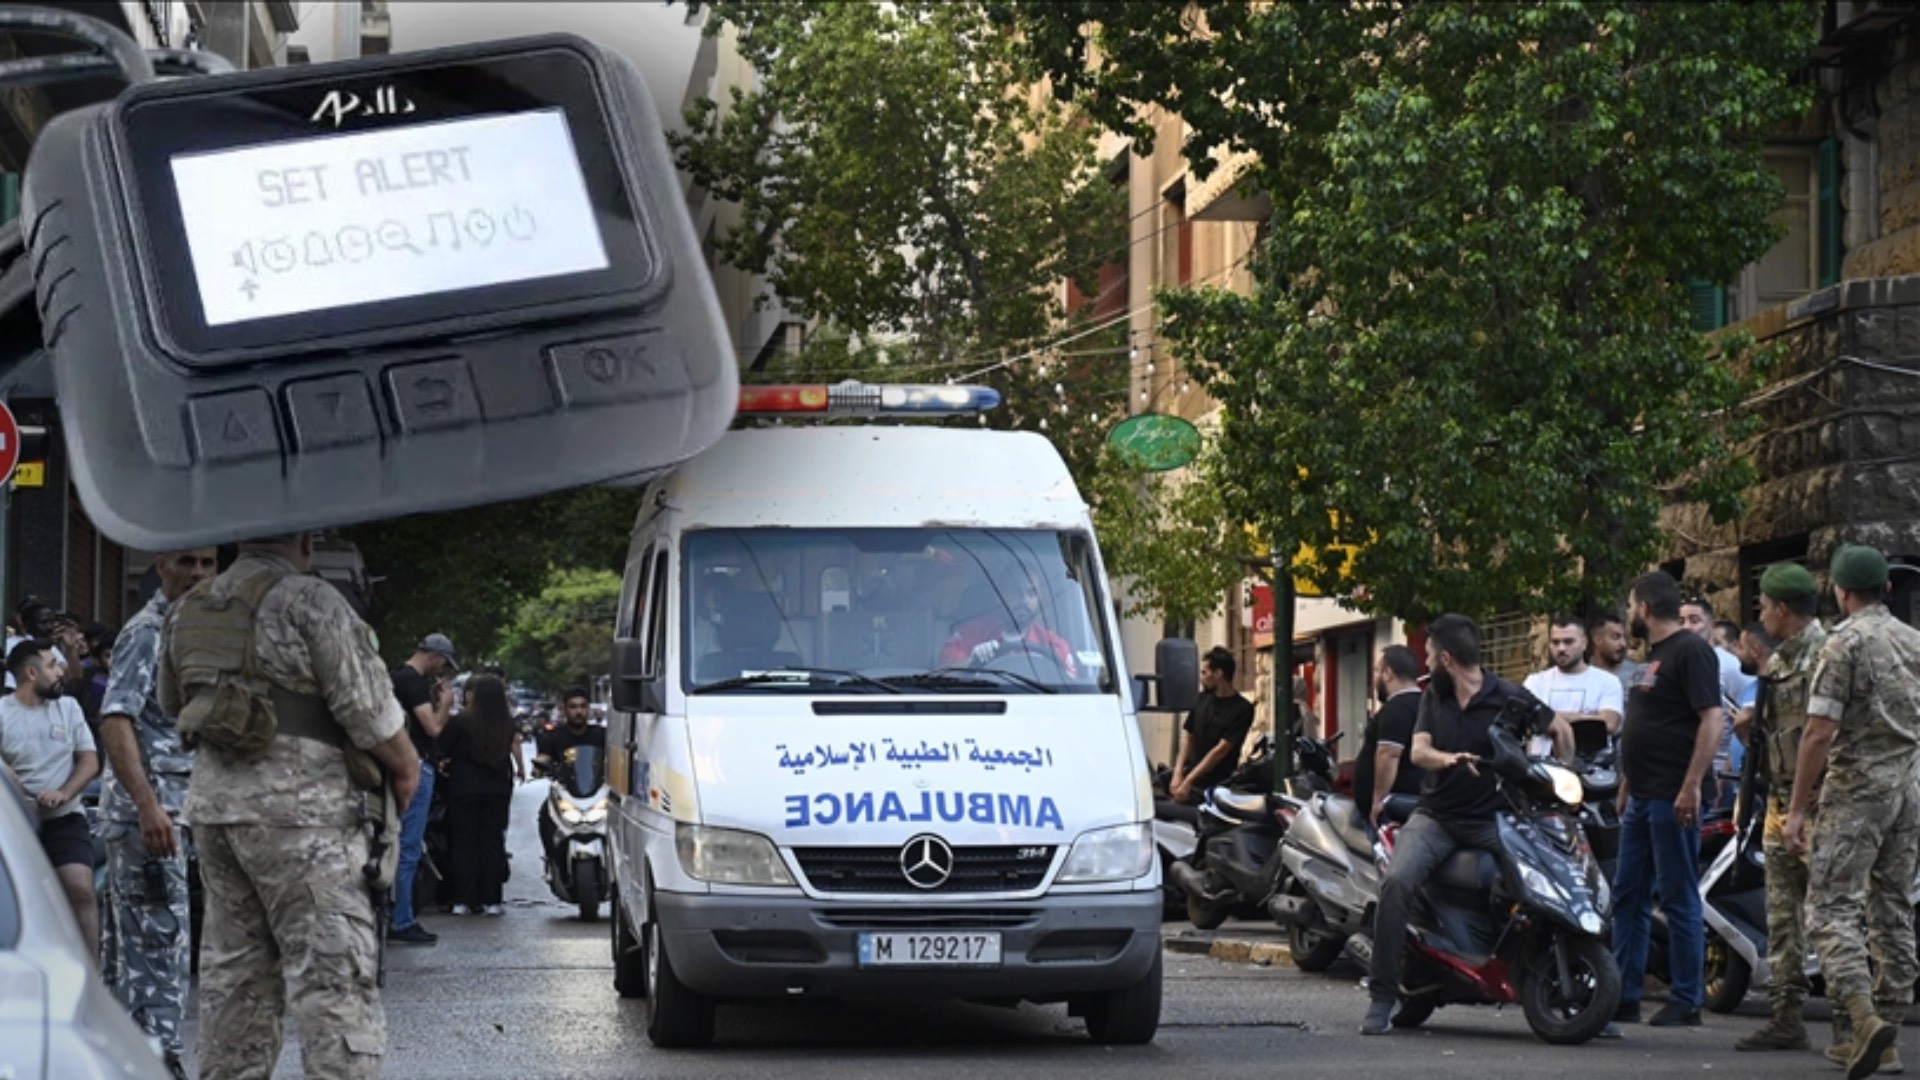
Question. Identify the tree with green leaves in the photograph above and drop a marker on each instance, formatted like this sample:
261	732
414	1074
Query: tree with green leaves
563	635
464	573
898	184
1468	360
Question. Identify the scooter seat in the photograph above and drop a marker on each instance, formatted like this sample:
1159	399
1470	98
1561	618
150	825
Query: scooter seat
1468	869
1241	806
1343	816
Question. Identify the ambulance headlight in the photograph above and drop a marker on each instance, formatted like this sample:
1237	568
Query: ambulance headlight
1121	853
729	857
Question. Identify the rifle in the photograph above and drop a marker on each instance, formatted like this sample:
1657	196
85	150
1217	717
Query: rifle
378	843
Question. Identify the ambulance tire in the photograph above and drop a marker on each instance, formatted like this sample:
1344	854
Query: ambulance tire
677	1017
1129	1016
629	954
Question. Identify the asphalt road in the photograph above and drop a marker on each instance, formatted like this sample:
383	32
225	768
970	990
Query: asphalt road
530	995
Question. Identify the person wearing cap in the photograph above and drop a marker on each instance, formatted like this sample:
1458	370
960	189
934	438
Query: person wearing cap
1863	723
426	698
1789	600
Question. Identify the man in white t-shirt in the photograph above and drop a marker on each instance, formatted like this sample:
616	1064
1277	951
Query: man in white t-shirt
1572	688
45	742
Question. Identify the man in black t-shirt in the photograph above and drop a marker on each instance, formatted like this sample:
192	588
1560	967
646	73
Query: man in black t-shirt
1215	729
553	745
1457	801
1382	768
427	700
1667	743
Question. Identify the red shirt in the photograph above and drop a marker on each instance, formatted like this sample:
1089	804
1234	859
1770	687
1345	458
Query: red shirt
959	648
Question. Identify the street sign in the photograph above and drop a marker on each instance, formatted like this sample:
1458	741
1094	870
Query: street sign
1155	442
304	297
9	443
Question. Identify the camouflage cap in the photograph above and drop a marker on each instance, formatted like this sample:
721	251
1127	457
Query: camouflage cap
1858	567
1787	582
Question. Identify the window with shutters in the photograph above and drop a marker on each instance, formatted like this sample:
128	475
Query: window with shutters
1506	645
1807	255
1754	561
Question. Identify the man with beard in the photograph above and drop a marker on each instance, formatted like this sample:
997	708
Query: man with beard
45	741
1609	634
1457	802
1672	727
1382	769
551	748
1575	691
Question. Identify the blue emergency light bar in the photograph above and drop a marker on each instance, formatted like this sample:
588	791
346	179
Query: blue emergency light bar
866	399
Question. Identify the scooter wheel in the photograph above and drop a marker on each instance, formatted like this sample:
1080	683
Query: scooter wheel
1727	976
1315	950
1206	916
1569	1021
1411	1014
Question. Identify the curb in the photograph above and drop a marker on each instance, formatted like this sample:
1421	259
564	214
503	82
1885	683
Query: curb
1232	950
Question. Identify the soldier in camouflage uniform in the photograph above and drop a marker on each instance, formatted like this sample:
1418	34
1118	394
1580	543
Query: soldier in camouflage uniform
1789	601
290	924
145	936
1863	721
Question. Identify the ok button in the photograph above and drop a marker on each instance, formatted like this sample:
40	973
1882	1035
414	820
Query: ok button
619	369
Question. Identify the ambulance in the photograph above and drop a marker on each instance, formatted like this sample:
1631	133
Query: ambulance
871	733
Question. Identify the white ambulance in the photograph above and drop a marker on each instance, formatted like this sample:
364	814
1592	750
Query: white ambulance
871	733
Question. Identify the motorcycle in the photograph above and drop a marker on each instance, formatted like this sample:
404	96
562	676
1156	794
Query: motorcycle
576	807
1539	941
1233	870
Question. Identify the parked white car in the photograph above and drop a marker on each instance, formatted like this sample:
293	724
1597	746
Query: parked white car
53	1006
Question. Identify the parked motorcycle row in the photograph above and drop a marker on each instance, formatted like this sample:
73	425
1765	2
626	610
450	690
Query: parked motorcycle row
1308	859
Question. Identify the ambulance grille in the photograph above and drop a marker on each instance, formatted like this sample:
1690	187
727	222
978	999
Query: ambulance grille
877	869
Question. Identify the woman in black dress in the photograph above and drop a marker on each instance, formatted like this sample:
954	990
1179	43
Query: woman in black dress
479	744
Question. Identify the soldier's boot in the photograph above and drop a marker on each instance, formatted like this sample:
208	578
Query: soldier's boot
1842	1043
1872	1037
1895	1015
1786	1031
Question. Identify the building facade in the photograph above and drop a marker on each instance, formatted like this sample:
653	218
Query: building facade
1839	296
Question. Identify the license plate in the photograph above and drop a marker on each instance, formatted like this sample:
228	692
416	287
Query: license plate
930	949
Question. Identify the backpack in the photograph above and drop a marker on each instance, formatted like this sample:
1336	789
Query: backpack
229	705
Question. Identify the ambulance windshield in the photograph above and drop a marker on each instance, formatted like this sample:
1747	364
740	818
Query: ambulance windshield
906	610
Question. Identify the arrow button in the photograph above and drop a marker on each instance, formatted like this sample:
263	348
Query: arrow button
236	426
334	411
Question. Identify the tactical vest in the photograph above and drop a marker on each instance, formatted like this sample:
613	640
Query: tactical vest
229	704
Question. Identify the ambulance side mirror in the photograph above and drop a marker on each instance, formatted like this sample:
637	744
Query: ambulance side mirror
1176	665
633	690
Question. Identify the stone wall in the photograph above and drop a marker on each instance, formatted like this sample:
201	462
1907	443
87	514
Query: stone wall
1840	454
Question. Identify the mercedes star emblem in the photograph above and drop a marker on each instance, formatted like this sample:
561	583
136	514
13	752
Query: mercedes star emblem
926	861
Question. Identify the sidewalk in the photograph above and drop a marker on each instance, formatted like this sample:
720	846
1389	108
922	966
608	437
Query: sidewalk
1237	941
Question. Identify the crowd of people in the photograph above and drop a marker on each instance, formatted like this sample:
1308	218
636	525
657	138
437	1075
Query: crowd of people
279	814
1831	715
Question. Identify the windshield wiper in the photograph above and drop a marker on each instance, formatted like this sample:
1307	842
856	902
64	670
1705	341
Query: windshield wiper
795	676
972	677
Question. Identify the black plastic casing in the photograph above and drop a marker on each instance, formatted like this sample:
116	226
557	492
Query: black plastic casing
182	434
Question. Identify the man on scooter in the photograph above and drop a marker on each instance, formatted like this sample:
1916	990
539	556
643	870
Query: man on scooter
1457	802
552	747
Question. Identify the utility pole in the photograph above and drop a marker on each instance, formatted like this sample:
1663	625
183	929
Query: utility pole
1283	708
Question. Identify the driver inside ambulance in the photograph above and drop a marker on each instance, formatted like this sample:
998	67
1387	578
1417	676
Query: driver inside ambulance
1012	624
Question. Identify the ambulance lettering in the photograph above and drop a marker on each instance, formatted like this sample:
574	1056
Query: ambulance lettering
981	808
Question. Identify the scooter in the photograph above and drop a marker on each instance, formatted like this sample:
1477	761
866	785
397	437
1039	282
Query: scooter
1233	870
1596	761
1538	941
576	857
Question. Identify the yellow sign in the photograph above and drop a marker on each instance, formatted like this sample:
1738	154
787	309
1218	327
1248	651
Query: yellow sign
30	474
1305	557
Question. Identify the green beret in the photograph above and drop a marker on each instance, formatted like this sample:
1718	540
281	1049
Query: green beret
1858	567
1787	582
